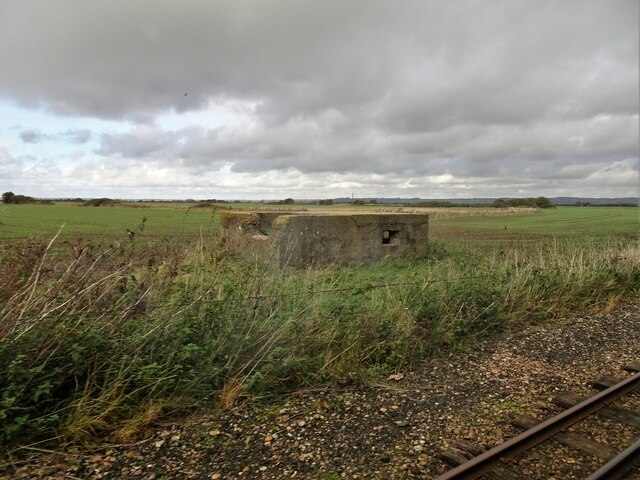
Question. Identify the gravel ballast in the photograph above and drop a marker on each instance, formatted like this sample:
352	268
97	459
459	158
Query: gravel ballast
392	430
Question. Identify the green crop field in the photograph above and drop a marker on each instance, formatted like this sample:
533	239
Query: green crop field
575	223
483	224
18	221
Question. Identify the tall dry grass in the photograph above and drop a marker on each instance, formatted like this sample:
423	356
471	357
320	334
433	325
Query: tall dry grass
102	339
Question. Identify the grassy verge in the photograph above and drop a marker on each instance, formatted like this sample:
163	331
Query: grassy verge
107	338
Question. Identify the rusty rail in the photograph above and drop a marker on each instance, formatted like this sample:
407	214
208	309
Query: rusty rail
487	461
619	466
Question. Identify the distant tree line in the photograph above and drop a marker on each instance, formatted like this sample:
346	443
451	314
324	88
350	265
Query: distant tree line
436	204
286	201
589	204
371	201
538	202
12	198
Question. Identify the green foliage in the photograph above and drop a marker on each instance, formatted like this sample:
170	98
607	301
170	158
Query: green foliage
22	199
25	392
10	197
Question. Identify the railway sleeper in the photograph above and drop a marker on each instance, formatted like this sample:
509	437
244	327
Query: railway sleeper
569	439
463	451
622	415
619	466
605	382
632	367
608	381
554	428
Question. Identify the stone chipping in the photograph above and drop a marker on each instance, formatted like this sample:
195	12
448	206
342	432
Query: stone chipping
392	429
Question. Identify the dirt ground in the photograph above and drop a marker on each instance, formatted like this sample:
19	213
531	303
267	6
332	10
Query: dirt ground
395	429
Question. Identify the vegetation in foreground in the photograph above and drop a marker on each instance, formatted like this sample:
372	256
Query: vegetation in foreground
107	338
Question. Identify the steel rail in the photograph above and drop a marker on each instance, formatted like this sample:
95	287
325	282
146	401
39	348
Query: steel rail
620	465
487	461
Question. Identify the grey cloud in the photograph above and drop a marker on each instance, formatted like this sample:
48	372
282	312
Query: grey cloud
118	59
32	136
508	92
555	149
140	142
77	135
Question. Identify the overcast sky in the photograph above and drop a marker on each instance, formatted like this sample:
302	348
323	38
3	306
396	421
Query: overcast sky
319	99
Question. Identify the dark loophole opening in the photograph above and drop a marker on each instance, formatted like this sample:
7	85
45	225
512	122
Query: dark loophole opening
390	237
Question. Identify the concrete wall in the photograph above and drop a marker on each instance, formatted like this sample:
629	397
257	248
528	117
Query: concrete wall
249	233
302	240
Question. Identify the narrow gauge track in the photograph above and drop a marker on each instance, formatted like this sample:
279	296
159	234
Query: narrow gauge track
499	463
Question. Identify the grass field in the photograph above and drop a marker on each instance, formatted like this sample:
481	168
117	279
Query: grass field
18	221
579	223
488	224
105	337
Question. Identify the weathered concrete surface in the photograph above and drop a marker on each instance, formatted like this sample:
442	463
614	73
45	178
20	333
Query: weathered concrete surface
302	240
249	233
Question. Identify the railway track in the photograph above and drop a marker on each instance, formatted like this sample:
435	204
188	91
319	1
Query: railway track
506	462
